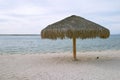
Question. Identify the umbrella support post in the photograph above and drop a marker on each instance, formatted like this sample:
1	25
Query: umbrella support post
74	48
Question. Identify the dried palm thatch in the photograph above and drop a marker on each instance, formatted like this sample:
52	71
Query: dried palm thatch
74	27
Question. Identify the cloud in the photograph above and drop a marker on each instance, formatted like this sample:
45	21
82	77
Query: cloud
30	16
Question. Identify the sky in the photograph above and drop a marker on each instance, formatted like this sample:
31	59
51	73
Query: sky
31	16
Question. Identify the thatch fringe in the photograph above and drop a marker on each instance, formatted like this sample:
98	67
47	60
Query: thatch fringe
83	34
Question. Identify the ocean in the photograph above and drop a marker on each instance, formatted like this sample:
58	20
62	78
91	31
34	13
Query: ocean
33	44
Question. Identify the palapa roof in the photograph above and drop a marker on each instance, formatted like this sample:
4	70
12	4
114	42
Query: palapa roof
74	26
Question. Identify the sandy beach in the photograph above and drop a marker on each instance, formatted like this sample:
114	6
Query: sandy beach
61	66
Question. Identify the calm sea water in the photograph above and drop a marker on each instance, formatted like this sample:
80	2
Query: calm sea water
34	44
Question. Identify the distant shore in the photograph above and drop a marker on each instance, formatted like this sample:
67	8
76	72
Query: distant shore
103	65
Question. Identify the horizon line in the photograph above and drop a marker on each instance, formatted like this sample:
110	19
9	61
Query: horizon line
30	34
19	34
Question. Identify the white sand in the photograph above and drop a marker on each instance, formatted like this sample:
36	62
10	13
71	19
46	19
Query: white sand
61	66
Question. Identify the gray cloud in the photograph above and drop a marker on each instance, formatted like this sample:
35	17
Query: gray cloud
30	16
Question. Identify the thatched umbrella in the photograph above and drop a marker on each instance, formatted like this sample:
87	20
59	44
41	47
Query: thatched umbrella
74	27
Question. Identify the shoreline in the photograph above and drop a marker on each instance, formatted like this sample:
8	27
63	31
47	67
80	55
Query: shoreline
68	52
61	66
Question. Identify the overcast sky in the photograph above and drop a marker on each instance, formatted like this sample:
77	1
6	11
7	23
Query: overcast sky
31	16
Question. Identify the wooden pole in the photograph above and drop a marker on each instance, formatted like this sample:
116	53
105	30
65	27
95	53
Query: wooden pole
74	48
